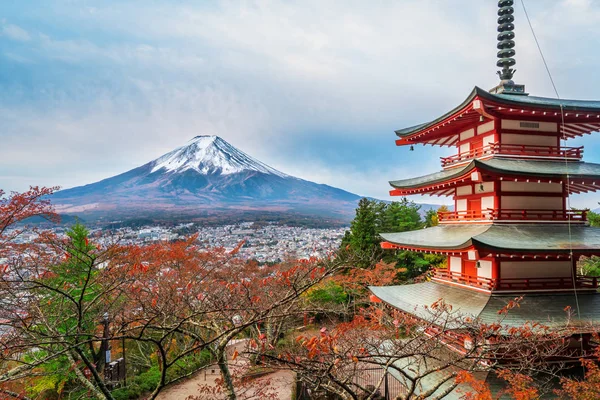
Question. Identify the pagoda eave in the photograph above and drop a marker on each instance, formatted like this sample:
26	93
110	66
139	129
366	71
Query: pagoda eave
416	299
483	251
573	117
500	240
430	250
580	176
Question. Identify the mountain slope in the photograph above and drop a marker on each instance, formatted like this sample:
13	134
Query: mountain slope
209	175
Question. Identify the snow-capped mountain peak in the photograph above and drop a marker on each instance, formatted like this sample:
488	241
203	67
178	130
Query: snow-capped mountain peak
211	155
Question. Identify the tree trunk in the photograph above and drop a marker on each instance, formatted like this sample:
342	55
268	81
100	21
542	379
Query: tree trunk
86	383
221	355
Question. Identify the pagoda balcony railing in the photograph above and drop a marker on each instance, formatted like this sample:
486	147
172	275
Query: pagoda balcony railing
516	284
457	277
527	151
504	214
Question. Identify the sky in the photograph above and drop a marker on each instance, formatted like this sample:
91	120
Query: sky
315	88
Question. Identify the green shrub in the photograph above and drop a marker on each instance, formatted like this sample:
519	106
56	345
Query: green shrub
148	380
327	292
126	394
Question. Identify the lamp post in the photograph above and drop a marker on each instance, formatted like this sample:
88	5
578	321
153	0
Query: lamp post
124	359
105	346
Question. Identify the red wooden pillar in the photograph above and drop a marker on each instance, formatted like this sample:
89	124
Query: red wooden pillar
496	271
574	260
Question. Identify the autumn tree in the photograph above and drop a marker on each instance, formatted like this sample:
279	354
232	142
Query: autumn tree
55	295
66	297
337	359
14	209
583	389
204	299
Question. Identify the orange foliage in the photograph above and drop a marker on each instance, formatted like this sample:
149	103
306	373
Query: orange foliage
20	206
520	387
480	390
382	274
589	387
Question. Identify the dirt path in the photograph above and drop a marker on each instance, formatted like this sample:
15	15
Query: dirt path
279	382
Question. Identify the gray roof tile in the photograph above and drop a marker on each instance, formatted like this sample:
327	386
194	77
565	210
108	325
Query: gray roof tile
558	238
548	309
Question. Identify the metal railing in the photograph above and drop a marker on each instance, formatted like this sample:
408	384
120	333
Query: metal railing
562	152
370	377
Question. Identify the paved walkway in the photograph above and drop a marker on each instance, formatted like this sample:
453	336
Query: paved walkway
280	382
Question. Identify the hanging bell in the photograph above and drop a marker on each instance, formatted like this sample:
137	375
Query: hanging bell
412	148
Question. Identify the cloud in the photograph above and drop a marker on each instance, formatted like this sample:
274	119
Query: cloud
113	136
313	87
15	33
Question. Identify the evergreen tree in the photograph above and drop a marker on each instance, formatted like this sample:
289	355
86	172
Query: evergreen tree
363	228
431	217
363	239
374	217
402	216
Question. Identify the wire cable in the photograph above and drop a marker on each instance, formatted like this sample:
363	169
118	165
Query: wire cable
568	183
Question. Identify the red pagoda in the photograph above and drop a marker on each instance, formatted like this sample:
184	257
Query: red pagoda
512	231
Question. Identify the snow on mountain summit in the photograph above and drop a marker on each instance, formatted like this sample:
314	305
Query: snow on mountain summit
210	155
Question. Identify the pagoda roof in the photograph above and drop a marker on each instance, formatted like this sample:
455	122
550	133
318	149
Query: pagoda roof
498	238
445	237
547	309
444	129
507	167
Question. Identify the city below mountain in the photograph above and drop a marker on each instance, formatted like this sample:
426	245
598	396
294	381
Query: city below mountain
207	177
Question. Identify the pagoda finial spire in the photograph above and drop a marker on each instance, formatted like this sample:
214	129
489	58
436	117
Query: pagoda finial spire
505	39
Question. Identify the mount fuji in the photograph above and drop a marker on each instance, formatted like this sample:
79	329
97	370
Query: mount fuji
204	177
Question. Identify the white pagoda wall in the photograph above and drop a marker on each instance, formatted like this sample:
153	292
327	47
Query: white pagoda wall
529	140
519	125
531	203
456	264
535	269
485	269
487	202
542	187
529	200
542	133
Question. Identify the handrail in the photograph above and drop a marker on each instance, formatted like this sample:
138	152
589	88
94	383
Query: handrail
517	150
547	283
540	214
477	281
507	214
534	283
466	215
